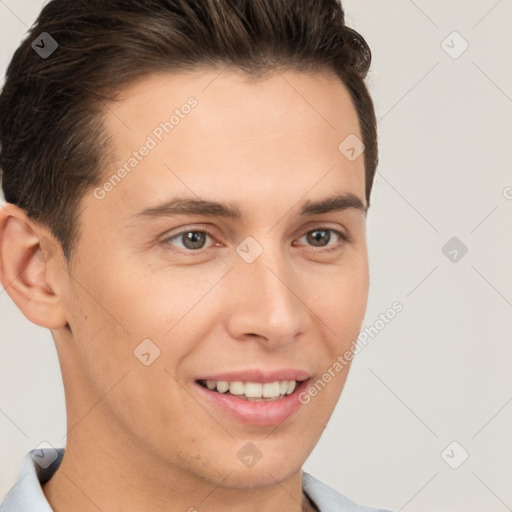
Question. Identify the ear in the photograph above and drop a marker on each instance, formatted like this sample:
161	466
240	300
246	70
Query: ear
28	261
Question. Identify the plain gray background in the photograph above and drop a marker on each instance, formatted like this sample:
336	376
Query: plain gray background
439	372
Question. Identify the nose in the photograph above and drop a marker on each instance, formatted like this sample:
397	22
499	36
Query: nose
265	302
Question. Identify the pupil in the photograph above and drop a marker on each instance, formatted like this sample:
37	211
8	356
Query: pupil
323	234
194	240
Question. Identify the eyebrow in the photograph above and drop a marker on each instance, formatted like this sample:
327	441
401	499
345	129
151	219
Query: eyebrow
188	206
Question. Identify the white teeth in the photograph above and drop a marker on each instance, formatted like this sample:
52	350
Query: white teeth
291	387
271	389
236	388
222	386
253	390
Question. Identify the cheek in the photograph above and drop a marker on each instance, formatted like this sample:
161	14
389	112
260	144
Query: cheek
120	316
339	299
100	341
340	311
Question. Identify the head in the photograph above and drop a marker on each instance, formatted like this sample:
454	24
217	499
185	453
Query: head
169	172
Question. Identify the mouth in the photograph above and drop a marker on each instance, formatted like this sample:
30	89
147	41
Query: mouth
252	401
252	391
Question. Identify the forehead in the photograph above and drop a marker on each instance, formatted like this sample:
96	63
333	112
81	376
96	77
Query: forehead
220	130
232	101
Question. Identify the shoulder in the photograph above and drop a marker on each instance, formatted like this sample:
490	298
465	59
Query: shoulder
328	499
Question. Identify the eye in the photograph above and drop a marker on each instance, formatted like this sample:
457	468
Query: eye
321	236
192	240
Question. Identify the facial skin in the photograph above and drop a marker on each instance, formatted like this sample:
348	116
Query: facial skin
143	438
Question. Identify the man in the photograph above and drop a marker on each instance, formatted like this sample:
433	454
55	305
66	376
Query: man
186	189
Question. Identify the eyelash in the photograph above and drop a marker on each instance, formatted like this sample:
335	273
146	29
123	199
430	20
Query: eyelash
345	238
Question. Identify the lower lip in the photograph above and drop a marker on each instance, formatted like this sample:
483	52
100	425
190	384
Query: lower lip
263	414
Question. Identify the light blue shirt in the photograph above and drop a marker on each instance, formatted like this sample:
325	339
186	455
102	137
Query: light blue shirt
27	494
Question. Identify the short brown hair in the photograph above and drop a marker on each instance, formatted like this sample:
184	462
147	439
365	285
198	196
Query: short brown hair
53	143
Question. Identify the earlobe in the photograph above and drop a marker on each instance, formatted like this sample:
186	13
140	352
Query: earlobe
25	259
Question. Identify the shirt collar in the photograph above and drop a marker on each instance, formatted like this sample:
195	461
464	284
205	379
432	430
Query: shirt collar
37	468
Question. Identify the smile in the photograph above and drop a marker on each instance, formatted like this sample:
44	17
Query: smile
252	391
254	397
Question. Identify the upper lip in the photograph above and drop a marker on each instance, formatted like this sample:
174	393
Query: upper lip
259	375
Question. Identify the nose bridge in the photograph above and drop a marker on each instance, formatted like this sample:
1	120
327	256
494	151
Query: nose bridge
266	303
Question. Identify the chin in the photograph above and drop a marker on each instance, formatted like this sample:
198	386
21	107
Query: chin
260	477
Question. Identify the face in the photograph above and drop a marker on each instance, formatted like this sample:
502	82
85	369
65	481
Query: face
206	261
